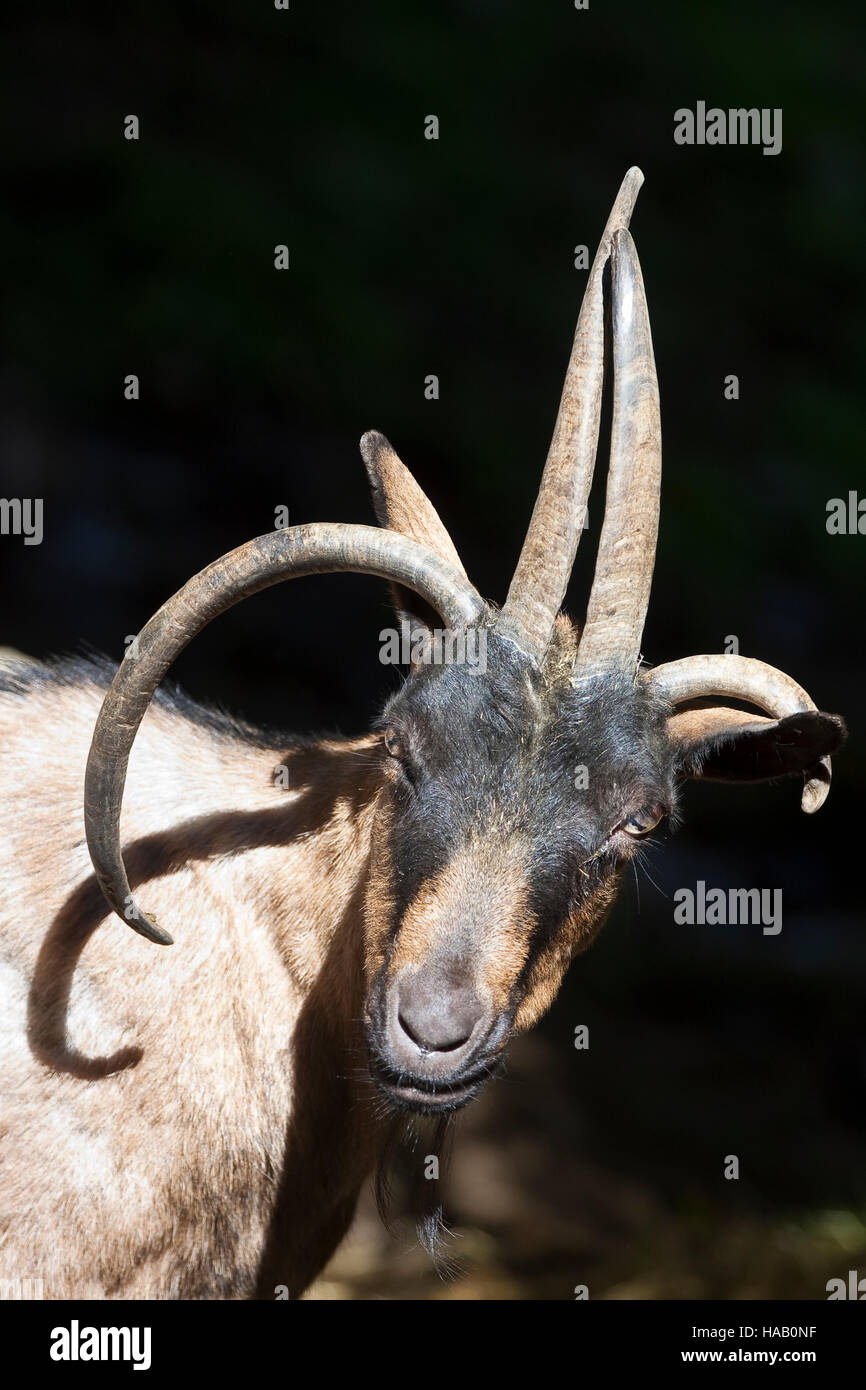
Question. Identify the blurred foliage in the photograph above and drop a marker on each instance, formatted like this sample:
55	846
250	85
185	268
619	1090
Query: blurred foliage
455	257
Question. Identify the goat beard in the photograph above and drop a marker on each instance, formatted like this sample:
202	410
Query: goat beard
409	1137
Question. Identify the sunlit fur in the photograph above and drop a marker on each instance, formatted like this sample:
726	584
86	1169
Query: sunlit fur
198	1122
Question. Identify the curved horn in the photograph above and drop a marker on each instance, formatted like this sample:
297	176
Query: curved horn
544	568
285	554
743	678
618	601
400	503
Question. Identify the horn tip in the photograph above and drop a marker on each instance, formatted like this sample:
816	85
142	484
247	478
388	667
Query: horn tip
149	928
626	198
816	789
371	445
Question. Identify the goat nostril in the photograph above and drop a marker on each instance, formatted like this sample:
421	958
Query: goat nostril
435	1015
422	1039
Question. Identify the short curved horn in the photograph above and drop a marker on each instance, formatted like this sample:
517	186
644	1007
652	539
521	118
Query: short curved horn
615	616
401	505
743	678
399	502
284	554
541	578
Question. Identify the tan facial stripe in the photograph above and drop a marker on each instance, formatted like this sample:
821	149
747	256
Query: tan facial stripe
475	911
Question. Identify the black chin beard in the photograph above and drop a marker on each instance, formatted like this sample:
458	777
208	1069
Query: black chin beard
407	1136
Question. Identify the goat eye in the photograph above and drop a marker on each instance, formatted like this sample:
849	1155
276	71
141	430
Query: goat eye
393	743
644	821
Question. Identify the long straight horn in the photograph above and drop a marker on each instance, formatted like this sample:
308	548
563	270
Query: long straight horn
544	568
616	612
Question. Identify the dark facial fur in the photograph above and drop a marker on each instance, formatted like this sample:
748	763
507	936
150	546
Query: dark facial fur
496	857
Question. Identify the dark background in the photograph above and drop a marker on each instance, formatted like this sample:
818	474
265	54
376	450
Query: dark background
455	257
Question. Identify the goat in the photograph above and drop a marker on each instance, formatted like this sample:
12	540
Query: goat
362	924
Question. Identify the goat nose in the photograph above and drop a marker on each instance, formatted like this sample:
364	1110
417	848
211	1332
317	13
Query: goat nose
438	1019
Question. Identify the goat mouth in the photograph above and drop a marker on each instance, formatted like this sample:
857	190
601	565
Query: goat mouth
427	1097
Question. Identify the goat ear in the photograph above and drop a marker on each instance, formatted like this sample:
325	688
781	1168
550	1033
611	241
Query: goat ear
721	744
400	505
